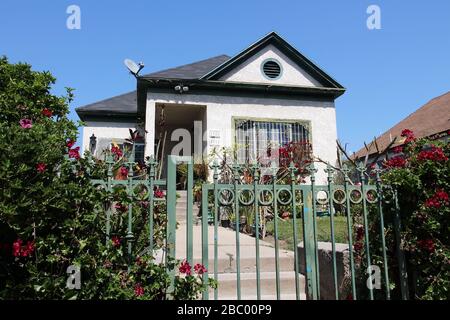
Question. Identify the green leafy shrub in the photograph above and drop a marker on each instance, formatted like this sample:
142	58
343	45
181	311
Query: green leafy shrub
53	217
420	174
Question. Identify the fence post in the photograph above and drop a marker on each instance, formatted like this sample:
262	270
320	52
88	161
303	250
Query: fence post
309	248
400	255
171	215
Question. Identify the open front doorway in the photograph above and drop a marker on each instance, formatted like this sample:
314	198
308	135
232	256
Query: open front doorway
177	128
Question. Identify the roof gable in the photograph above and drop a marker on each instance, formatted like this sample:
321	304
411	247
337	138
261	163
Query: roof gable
245	65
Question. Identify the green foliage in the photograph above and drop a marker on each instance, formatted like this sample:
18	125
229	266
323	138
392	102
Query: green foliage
53	217
421	177
424	187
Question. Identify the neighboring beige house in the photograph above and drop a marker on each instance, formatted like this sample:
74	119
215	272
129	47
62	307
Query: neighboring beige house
432	120
267	94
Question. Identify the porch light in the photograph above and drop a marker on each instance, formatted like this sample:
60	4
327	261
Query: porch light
92	143
180	88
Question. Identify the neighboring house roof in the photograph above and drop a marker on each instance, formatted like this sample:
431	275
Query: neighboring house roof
125	104
431	119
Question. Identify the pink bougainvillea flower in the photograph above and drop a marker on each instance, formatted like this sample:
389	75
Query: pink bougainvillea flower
120	207
185	268
26	123
159	193
124	171
74	153
395	162
41	167
199	268
117	152
409	135
433	154
138	290
439	199
22	251
70	143
28	249
17	247
115	241
47	112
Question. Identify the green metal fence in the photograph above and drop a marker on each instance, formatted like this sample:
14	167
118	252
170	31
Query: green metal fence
303	199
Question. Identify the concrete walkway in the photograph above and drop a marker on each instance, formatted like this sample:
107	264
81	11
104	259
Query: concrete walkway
226	264
226	260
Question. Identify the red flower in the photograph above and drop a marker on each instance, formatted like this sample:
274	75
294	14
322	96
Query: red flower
199	268
438	199
22	251
159	193
74	153
138	290
433	154
395	162
40	167
117	152
398	149
409	135
185	268
17	247
26	123
28	249
47	112
124	171
70	143
427	244
115	241
358	246
120	207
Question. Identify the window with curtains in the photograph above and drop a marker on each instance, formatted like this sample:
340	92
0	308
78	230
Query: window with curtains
255	138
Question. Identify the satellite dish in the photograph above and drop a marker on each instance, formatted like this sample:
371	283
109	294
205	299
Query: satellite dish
133	66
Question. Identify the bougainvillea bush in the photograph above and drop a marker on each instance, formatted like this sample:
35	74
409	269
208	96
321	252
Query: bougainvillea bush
52	217
420	172
423	184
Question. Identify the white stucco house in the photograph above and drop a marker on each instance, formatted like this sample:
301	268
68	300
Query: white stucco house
269	92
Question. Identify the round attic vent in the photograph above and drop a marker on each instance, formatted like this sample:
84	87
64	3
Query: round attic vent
271	69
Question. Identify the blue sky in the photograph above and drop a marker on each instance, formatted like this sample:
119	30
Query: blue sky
388	73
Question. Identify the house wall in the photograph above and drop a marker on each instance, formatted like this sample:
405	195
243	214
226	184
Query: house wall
105	130
250	70
221	110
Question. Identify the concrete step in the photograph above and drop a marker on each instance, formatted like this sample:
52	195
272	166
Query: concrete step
227	285
226	250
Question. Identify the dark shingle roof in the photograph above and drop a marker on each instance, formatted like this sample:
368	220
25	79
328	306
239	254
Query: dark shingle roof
190	71
125	104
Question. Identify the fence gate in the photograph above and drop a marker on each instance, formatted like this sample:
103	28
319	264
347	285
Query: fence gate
263	197
264	193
